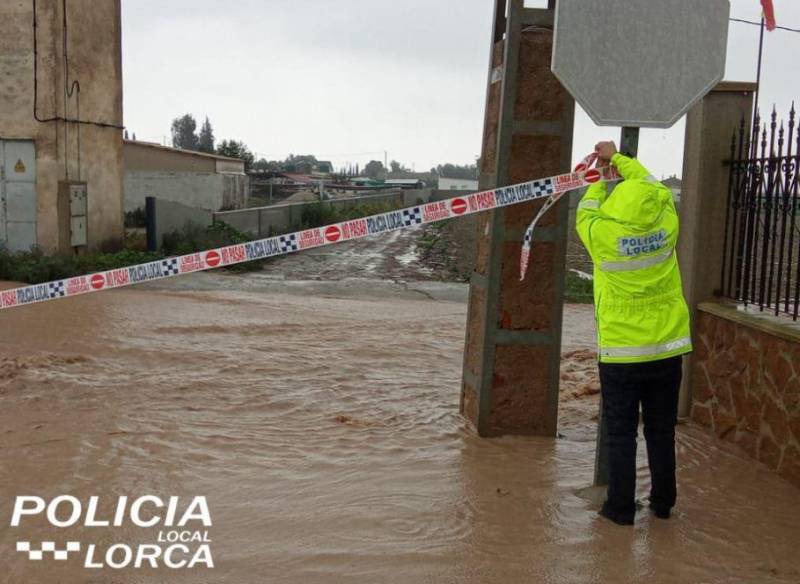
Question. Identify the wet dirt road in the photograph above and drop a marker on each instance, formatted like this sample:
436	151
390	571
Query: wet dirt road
320	419
391	256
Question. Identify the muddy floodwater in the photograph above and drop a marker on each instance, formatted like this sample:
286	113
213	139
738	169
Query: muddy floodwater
320	420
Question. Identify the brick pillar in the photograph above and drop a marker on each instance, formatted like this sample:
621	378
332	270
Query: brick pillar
704	198
513	344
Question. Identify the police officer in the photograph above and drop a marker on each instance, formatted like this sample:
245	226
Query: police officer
642	327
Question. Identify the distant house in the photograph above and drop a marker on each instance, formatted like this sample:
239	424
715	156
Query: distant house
404	183
196	179
457	184
365	181
674	184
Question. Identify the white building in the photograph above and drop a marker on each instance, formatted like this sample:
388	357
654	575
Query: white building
674	184
457	184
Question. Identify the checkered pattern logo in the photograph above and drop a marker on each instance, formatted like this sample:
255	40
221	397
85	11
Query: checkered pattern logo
170	267
57	289
48	547
289	243
412	217
543	188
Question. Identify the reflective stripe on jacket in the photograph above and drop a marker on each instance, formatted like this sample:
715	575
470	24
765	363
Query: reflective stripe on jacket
631	236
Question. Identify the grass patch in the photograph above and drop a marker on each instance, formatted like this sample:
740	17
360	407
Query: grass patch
434	246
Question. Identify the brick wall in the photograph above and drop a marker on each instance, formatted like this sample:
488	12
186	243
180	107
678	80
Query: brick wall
745	385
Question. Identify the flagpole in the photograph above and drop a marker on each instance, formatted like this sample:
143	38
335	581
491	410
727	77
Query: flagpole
758	84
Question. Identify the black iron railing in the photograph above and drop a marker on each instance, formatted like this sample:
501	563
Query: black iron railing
761	264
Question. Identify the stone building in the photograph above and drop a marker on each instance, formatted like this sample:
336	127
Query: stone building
60	124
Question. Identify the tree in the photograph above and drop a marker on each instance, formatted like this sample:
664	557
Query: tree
397	167
301	163
235	149
374	169
205	142
469	171
264	165
184	134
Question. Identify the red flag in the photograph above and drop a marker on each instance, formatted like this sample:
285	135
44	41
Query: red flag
769	14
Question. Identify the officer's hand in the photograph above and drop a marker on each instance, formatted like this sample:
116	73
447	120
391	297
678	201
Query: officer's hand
605	150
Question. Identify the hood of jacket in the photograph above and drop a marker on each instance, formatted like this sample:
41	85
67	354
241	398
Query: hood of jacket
638	203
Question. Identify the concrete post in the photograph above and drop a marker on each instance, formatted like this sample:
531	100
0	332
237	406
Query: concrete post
704	198
513	343
153	244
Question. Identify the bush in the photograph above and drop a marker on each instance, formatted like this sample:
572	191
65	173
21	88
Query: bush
193	238
318	214
36	267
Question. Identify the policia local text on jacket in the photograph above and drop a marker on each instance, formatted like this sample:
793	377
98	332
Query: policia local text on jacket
642	328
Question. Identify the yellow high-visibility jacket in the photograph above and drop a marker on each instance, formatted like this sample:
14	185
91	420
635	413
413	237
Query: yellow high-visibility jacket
631	236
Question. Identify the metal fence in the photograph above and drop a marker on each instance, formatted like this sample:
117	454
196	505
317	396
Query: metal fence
761	264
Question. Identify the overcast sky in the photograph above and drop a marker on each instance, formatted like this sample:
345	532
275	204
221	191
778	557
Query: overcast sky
349	79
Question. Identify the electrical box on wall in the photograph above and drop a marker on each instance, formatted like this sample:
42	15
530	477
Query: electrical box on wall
73	212
79	212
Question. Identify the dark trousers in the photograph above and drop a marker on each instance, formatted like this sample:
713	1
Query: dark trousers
624	386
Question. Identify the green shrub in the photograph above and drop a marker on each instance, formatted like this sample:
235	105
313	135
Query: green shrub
36	267
193	238
318	214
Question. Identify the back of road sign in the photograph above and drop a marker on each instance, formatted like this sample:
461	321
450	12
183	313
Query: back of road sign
640	62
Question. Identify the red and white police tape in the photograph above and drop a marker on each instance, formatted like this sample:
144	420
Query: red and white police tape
590	176
548	188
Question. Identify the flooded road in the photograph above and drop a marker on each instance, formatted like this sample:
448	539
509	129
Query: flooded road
392	256
320	420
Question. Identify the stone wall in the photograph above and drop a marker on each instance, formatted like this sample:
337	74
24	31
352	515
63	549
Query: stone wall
164	217
745	384
267	221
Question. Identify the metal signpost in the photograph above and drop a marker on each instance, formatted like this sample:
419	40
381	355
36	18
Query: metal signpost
638	64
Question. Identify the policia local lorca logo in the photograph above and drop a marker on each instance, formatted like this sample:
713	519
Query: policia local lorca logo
180	531
637	245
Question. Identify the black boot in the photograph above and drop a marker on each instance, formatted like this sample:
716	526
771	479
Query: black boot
618	517
660	512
